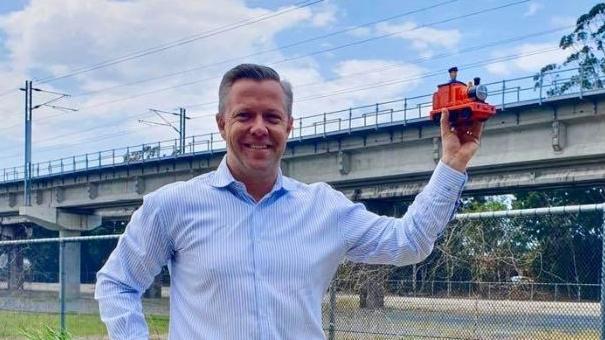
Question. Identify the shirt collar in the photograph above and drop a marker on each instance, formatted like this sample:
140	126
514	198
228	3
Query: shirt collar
222	177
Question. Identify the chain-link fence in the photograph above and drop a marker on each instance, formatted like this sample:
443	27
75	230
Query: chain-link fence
517	274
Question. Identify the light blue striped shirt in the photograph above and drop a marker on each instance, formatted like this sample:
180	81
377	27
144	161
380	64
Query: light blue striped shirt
241	269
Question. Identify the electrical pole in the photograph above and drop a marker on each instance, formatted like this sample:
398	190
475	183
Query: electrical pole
181	130
29	108
27	171
182	118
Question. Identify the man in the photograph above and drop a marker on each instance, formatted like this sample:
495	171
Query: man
251	252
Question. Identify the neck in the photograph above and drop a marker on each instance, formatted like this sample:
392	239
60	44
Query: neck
257	184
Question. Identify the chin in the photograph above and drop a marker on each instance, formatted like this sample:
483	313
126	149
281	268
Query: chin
260	166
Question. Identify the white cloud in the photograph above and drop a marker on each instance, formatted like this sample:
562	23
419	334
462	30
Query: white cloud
45	39
532	58
357	82
423	39
325	16
360	32
533	8
559	21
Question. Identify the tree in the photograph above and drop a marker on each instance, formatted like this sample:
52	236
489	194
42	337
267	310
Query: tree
586	45
570	245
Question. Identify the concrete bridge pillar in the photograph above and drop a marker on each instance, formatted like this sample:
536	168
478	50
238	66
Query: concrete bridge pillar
71	268
69	225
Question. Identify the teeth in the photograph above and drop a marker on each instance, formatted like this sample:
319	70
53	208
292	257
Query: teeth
258	146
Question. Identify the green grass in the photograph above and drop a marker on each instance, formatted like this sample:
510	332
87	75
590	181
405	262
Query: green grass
547	335
12	323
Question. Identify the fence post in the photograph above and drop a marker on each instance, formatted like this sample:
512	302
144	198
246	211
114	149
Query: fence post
300	126
62	283
350	119
603	276
541	81
325	123
332	326
376	117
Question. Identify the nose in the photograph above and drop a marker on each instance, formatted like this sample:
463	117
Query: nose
258	126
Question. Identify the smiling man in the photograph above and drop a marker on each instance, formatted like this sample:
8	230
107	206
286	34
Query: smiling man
252	252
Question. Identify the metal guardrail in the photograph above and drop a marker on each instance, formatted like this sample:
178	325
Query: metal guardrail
400	111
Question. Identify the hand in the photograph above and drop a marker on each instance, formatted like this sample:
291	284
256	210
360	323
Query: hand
459	143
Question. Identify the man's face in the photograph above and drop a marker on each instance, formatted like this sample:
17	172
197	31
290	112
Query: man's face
255	126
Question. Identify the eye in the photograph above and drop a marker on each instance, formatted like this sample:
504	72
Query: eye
273	118
241	116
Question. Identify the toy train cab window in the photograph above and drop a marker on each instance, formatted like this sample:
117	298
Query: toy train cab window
465	103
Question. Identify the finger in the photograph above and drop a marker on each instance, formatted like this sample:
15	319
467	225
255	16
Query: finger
477	129
473	130
445	122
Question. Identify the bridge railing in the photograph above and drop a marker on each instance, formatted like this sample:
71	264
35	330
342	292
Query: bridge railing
541	87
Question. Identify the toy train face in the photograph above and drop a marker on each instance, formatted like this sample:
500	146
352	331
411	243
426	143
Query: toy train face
464	103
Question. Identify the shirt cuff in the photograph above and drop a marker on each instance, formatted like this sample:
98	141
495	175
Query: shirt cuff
447	182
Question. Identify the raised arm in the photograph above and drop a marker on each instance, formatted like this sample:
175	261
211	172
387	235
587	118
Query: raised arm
378	239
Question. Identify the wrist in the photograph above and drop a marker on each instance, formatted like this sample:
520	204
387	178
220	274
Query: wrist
455	164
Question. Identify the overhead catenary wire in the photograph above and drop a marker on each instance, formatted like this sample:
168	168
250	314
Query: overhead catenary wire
138	95
350	90
276	49
470	49
179	42
465	16
417	60
298	57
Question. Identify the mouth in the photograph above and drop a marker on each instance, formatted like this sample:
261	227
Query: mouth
257	146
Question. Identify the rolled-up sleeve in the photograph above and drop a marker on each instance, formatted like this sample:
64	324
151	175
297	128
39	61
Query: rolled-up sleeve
375	239
139	256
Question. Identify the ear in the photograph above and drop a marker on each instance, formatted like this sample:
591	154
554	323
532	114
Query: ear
290	124
220	123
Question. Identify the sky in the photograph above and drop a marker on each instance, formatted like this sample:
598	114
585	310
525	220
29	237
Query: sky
118	59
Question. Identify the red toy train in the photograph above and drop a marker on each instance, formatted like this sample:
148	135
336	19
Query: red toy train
466	103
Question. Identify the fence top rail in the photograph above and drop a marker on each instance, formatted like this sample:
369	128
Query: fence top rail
59	239
532	212
479	215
